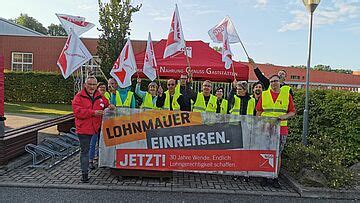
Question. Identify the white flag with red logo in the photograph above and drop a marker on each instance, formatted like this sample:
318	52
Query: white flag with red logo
124	66
149	60
73	55
175	41
226	52
77	23
216	35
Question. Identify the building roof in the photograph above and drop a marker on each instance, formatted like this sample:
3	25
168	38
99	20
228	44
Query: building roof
8	27
298	76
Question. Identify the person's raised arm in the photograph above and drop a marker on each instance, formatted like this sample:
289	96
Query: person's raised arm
260	76
138	91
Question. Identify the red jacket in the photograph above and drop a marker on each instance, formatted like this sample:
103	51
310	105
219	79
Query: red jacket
84	109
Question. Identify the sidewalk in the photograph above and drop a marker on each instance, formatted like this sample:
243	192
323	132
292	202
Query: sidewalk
67	175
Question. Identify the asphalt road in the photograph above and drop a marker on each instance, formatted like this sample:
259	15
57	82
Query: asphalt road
14	194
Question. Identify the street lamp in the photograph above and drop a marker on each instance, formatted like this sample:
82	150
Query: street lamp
310	6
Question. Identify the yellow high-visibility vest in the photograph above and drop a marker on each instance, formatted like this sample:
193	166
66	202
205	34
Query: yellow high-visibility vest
224	106
148	102
236	108
175	104
277	108
199	105
118	101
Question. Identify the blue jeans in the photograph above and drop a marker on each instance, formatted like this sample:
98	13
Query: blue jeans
84	155
93	149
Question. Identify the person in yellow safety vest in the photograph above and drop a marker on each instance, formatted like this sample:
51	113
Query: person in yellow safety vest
170	99
240	103
148	98
257	89
276	102
121	97
221	103
204	101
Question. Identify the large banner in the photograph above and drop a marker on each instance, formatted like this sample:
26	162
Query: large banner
190	141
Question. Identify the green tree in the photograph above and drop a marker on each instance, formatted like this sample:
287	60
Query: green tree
114	19
30	23
322	67
56	30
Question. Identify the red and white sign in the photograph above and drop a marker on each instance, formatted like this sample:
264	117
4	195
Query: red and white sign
175	41
125	66
196	160
216	33
226	52
76	23
73	55
149	67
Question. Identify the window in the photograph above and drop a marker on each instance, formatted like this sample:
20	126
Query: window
295	77
21	61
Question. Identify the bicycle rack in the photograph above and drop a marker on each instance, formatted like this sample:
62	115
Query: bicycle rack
53	150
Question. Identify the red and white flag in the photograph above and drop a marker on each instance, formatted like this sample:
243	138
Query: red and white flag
216	35
76	23
73	55
149	67
226	52
175	41
124	66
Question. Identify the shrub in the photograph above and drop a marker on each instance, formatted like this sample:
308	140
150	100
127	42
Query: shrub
334	141
37	87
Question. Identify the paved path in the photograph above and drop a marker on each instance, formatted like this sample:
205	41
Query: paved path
67	175
12	194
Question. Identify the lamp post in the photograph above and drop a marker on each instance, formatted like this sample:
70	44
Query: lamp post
310	6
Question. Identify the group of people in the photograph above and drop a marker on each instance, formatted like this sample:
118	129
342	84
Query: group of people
270	97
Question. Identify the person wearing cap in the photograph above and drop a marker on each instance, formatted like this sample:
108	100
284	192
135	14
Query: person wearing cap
148	98
257	89
120	97
240	103
221	103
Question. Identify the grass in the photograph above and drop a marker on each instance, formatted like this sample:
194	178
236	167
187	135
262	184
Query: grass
35	108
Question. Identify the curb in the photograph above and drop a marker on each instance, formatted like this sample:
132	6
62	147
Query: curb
145	189
314	192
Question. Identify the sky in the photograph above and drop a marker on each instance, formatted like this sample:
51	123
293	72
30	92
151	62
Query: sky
272	31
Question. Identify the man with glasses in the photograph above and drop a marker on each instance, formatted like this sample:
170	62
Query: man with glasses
265	81
170	99
221	103
240	103
88	106
184	87
276	102
205	101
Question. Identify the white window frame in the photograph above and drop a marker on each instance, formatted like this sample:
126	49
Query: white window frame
22	63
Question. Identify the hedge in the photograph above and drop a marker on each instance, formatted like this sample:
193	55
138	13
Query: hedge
37	87
334	136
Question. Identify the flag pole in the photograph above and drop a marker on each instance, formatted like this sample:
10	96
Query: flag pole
187	60
158	76
233	70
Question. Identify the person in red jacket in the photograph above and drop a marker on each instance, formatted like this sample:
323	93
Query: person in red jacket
88	106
